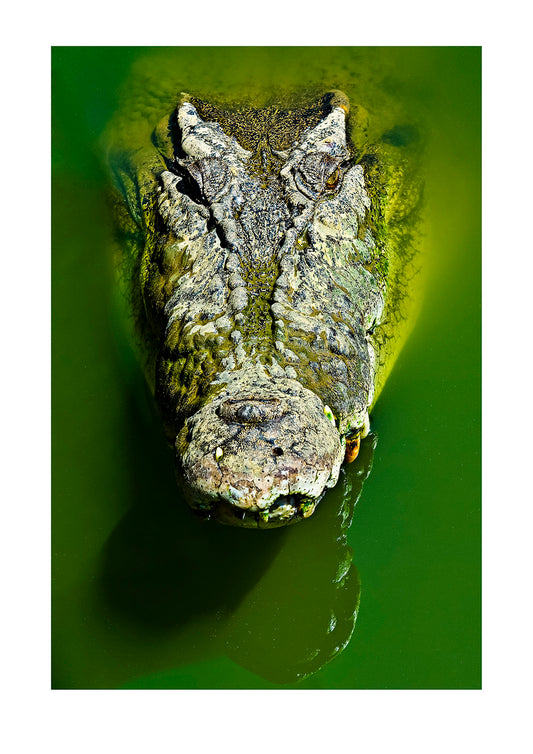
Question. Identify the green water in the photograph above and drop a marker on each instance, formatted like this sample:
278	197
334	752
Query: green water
145	596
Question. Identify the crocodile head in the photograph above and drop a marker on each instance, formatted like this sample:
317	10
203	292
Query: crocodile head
266	282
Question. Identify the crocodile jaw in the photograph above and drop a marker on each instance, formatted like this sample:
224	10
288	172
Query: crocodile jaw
263	452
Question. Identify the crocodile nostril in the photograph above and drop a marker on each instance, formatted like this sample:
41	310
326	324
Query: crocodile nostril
278	451
251	410
250	413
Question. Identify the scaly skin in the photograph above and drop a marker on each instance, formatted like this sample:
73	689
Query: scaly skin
268	269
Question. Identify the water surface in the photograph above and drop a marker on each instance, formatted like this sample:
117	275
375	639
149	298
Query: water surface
144	595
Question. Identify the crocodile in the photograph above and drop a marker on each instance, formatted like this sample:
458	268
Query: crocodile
267	253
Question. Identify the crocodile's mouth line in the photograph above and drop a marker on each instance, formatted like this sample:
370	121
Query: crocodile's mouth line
287	509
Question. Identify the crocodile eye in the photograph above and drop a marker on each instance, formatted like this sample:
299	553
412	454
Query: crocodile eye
310	175
333	180
211	176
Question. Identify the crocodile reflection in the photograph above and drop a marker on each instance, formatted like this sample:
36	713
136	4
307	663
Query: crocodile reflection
302	613
280	603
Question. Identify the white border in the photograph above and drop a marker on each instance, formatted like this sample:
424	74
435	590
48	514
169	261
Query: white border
370	721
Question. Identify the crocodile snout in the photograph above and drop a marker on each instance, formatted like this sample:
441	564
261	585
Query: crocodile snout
265	458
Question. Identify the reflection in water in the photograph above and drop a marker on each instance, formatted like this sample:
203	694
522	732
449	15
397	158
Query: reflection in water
303	611
280	603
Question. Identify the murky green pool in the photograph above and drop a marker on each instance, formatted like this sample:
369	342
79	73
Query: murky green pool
146	596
